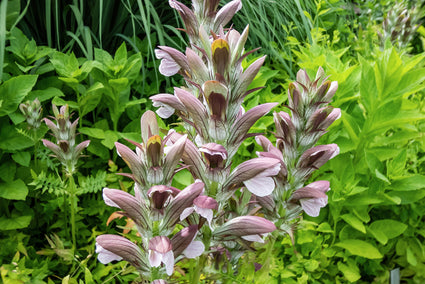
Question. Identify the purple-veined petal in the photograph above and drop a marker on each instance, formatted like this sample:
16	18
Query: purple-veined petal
121	247
182	201
183	239
148	125
243	124
159	281
173	156
245	226
132	160
257	167
226	13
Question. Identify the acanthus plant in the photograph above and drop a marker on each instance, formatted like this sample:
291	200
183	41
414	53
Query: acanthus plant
217	218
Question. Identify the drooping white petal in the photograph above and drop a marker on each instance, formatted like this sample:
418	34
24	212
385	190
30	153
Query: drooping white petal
167	67
253	238
155	258
311	206
194	249
168	260
206	213
260	186
164	111
105	256
186	212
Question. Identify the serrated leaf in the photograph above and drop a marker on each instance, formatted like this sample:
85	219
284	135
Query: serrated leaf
360	248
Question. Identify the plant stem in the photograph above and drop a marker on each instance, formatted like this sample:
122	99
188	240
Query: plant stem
72	190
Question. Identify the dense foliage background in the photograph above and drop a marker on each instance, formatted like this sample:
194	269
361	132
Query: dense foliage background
98	57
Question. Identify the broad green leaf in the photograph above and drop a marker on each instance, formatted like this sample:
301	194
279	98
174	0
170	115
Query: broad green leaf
22	158
110	138
408	197
65	65
354	222
14	91
391	228
411	258
44	95
92	132
407	183
14	222
325	228
91	99
61	102
12	140
7	170
15	190
360	248
351	272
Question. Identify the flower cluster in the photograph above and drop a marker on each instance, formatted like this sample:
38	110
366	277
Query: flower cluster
221	213
32	112
65	149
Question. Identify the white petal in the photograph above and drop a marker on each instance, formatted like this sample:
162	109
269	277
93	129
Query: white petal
260	186
186	212
164	111
108	201
168	260
155	258
105	256
253	238
206	213
194	249
311	206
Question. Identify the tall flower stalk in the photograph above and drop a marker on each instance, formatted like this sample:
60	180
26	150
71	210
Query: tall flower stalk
67	152
219	216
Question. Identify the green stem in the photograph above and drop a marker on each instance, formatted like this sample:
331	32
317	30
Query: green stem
197	270
72	190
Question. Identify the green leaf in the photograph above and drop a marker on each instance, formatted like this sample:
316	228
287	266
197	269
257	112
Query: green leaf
408	197
360	248
14	222
7	170
44	95
413	182
354	222
110	138
13	92
12	140
351	272
411	259
22	158
391	228
91	98
92	132
15	190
